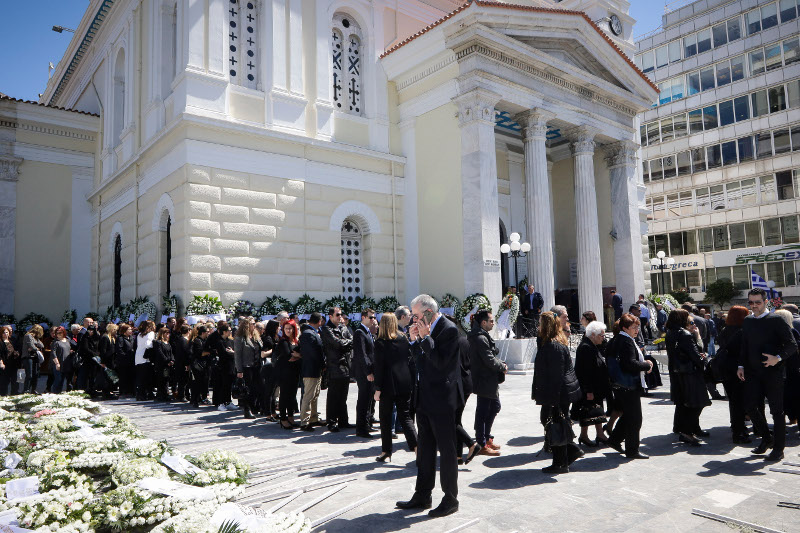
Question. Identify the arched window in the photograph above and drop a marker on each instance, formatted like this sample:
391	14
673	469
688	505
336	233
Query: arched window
169	45
166	257
243	42
352	260
118	115
346	52
117	270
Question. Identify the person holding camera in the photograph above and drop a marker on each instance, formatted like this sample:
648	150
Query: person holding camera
337	341
487	373
435	344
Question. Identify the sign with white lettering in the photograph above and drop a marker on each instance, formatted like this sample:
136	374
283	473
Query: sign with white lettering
762	254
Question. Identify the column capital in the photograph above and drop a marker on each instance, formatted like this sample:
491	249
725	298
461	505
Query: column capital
476	105
621	154
534	123
582	140
9	167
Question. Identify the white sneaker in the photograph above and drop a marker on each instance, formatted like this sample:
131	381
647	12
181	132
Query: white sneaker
232	407
221	407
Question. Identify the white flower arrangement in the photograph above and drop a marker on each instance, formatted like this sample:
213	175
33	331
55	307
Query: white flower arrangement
95	461
128	472
45	460
510	302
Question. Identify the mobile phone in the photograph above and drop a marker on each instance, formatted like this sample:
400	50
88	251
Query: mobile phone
427	317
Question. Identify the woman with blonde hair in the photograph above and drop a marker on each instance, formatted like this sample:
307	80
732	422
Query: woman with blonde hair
32	356
247	348
393	384
555	386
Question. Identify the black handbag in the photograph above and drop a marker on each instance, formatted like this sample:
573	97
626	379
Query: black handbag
558	430
239	389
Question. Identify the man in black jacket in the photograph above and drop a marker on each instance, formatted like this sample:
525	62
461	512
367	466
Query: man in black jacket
532	304
337	342
436	348
767	342
312	363
486	371
362	369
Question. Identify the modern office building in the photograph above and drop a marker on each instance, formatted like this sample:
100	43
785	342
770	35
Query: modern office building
721	146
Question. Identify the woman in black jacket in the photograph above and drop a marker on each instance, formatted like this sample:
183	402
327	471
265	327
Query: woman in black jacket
163	360
555	386
393	384
269	376
106	348
220	344
9	360
727	362
199	361
287	359
590	367
627	396
124	360
687	385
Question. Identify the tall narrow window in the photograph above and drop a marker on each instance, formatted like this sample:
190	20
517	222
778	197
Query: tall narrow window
168	47
352	260
168	277
243	42
117	270
346	53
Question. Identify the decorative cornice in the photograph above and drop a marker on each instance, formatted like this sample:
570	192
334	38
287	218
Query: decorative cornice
9	167
48	130
513	62
425	73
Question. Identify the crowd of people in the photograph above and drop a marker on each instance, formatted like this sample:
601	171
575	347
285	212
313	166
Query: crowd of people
418	370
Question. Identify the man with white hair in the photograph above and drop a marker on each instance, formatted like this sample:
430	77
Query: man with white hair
435	344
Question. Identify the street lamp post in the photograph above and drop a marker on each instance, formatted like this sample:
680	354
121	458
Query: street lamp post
515	249
660	260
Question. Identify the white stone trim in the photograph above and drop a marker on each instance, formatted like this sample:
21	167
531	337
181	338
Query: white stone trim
116	229
361	212
118	202
56	156
164	204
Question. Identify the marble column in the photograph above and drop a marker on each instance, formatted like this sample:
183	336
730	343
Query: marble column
590	278
626	222
480	213
9	172
538	203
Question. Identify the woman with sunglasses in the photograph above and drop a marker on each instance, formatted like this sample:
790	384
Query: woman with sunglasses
687	385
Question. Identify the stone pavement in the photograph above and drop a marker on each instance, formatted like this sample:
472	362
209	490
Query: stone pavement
604	492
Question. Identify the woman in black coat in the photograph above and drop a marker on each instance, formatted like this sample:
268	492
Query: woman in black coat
287	359
199	363
627	393
269	376
124	360
687	385
106	348
727	363
163	360
9	360
220	344
555	386
393	383
590	367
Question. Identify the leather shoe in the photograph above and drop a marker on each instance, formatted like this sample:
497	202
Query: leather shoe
616	446
637	455
555	469
774	456
742	439
444	509
319	423
763	447
333	429
701	433
307	428
346	426
689	439
416	502
364	434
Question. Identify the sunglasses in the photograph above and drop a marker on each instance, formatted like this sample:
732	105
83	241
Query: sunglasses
339	314
691	323
751	302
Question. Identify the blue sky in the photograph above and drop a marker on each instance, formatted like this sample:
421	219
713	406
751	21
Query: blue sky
27	42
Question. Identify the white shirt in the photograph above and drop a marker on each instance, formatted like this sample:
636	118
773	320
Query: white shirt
762	315
641	358
142	344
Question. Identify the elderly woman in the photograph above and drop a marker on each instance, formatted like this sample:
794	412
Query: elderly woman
687	386
590	367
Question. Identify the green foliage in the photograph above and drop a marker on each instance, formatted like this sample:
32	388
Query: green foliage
169	303
681	296
448	300
307	304
230	526
204	305
338	301
6	320
721	292
387	304
475	301
70	316
361	303
30	319
522	286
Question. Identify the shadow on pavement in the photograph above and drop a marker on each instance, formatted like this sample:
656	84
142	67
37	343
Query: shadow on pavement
376	522
513	479
741	466
524	441
511	460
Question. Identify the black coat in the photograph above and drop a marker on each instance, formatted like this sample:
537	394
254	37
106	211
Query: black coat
486	367
438	358
288	372
106	349
534	308
363	362
88	348
591	370
337	342
466	365
628	357
554	380
199	362
313	360
123	352
729	353
769	335
687	384
218	346
392	374
184	354
162	354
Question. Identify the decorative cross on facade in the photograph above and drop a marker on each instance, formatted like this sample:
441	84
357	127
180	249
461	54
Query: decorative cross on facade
232	12
250	41
354	92
232	36
233	61
337	87
250	65
250	18
337	60
353	65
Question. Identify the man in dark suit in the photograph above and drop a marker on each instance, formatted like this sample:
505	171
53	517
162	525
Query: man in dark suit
616	304
312	363
436	348
362	369
532	304
337	343
767	342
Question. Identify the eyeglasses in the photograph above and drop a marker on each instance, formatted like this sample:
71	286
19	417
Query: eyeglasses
371	318
339	314
751	302
691	323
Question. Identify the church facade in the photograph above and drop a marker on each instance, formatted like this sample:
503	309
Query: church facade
256	147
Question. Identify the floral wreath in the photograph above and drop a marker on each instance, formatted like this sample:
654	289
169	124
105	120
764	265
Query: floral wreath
510	302
448	300
475	301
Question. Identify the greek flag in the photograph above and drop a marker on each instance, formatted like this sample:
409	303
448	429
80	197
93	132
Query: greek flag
758	281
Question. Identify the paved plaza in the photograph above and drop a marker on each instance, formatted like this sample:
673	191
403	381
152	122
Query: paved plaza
603	492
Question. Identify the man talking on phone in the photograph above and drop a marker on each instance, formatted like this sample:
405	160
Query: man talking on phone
435	346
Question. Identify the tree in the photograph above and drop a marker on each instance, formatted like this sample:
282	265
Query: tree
682	295
721	292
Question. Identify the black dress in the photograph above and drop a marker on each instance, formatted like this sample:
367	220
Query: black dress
268	378
161	359
592	372
225	370
394	381
288	377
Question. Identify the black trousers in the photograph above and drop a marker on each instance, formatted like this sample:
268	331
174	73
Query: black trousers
127	379
686	419
364	403
199	385
253	381
222	386
267	398
288	398
630	423
142	381
336	404
385	407
437	431
767	383
463	438
734	390
162	383
485	413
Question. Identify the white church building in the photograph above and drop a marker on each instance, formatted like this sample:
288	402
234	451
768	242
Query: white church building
246	148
